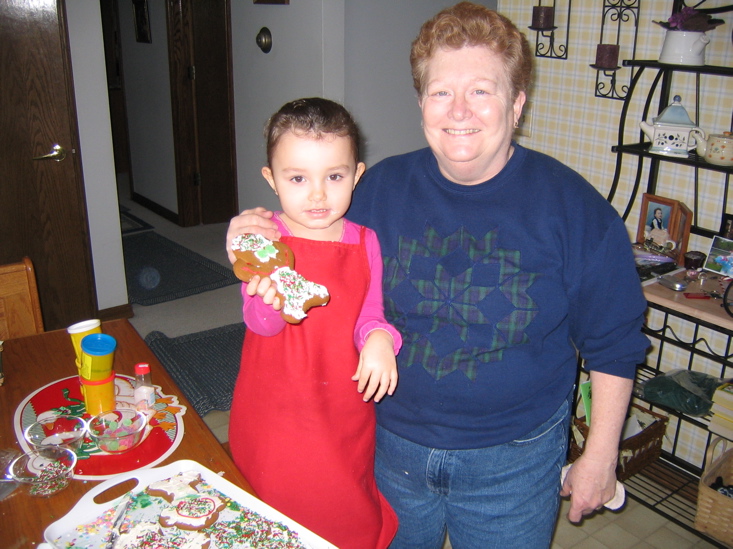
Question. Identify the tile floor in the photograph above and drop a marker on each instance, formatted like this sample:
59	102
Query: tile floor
635	526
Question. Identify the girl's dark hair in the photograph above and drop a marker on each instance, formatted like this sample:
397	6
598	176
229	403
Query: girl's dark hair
313	116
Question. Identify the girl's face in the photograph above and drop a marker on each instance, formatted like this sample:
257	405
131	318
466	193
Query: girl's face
468	113
314	179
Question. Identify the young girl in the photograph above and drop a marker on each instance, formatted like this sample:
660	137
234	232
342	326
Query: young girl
302	430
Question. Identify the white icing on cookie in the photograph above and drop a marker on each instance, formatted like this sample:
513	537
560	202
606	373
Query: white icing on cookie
150	536
192	512
178	486
261	247
296	290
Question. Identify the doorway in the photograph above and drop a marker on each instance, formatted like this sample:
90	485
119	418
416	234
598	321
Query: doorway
201	183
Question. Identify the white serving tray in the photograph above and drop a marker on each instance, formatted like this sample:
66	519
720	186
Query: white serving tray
87	510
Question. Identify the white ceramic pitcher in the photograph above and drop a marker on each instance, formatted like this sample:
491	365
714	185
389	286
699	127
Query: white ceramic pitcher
684	48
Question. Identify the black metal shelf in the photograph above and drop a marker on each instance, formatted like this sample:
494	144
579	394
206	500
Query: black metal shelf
671	492
699	69
698	348
692	159
662	79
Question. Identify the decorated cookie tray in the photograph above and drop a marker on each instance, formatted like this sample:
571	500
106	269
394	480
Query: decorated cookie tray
242	517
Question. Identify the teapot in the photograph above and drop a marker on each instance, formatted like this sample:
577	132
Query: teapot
716	148
671	131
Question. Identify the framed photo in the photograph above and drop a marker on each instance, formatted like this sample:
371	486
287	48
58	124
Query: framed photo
666	222
720	256
726	227
679	229
142	21
657	214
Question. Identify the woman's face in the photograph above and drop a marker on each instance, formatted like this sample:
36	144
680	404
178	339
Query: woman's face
468	115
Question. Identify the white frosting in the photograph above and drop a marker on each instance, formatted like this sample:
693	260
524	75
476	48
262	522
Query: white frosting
296	289
178	486
150	533
192	511
258	244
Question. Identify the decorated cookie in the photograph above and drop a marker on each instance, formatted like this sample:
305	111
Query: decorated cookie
192	512
150	535
176	487
257	255
297	293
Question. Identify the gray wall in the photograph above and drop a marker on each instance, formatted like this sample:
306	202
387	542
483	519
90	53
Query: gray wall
149	116
353	51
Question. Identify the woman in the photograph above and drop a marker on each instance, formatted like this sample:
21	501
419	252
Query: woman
492	309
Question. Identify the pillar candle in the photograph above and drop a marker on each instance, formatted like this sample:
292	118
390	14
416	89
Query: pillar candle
607	56
543	17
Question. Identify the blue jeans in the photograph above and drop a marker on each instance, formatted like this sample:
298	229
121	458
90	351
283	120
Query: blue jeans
503	496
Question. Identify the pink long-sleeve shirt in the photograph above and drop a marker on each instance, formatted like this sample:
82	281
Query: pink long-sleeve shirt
265	321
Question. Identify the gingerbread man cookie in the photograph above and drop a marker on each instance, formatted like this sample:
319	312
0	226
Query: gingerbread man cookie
256	255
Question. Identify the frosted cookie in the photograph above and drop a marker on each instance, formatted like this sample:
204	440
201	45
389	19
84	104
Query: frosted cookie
150	536
176	487
257	255
192	512
298	294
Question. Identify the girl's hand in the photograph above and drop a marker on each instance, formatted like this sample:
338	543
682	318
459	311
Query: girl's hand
263	287
377	369
257	221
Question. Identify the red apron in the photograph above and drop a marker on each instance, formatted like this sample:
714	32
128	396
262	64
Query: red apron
299	431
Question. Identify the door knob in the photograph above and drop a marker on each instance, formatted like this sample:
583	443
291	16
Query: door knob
57	153
264	39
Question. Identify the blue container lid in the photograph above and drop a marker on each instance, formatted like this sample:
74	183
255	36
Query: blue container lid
98	344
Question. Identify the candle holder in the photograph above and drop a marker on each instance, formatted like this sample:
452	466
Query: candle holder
547	43
624	15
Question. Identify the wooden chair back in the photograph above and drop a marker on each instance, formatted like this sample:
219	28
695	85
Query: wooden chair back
20	308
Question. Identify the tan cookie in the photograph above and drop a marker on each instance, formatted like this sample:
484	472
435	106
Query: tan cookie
256	254
298	294
175	487
192	512
150	536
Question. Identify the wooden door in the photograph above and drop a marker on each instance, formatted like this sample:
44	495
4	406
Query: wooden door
199	48
215	110
42	204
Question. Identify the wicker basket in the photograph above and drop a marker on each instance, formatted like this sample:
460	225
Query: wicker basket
714	515
635	452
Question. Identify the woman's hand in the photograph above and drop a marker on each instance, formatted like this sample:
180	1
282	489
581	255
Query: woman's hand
590	484
377	369
256	221
263	287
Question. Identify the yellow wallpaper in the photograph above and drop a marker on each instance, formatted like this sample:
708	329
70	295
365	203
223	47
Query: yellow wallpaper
579	129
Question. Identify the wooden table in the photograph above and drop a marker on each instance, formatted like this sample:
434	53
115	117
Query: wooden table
32	362
708	310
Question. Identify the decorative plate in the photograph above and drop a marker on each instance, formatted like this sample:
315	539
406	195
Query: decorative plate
164	434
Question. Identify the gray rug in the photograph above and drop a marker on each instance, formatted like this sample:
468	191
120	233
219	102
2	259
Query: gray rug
159	270
204	365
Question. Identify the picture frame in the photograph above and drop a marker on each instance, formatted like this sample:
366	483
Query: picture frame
667	223
142	21
726	226
720	256
679	229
